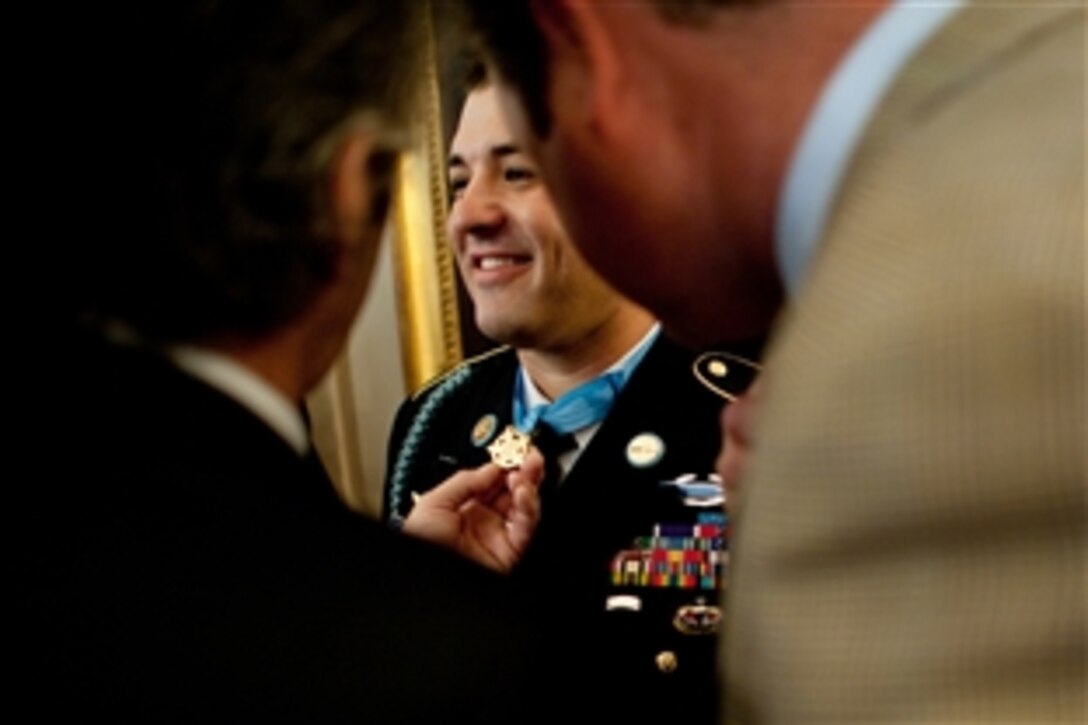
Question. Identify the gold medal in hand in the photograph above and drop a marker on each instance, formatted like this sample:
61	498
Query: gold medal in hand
509	449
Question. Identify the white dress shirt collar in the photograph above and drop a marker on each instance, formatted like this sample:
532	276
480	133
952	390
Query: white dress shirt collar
836	125
246	388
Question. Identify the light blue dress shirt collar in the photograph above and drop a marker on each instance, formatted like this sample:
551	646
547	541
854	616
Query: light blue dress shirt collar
836	125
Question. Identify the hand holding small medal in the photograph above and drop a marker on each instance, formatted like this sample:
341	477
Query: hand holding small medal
486	514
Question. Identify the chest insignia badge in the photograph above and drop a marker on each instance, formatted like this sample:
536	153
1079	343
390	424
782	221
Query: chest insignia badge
699	493
699	618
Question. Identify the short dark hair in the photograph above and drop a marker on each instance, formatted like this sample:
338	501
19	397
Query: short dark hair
476	75
506	33
218	117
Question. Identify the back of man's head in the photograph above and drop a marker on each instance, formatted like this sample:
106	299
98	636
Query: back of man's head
510	37
215	123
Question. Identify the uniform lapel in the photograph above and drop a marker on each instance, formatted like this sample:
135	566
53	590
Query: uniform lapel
603	479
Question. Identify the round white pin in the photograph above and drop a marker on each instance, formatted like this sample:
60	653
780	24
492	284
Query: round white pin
645	449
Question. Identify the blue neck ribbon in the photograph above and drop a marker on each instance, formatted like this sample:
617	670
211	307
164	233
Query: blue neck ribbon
581	407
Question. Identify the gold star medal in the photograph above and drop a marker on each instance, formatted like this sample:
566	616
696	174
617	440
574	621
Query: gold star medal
510	448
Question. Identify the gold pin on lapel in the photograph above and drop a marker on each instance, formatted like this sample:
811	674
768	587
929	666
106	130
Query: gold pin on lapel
484	429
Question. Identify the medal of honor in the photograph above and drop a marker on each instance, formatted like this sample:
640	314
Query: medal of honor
510	448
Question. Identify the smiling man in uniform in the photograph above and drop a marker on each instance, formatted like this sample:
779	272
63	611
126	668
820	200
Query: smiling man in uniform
632	535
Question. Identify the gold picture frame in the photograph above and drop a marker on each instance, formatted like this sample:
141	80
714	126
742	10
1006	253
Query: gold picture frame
429	322
414	304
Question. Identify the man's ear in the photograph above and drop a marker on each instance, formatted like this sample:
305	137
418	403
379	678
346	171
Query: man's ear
586	70
359	180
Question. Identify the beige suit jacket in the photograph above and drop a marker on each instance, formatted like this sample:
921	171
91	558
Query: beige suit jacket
911	539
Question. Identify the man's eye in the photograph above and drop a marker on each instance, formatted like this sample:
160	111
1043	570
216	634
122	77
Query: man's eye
457	187
518	174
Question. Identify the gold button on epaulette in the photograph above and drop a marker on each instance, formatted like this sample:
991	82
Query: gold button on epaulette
725	374
666	662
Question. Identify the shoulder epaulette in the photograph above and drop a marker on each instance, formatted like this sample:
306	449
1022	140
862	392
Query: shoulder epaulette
725	374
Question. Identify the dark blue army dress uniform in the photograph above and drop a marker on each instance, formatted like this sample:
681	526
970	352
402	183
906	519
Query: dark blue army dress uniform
632	539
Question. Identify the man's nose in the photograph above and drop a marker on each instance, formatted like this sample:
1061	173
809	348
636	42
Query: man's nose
477	212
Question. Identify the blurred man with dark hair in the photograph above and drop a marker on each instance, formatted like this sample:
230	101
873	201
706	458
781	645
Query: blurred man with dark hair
185	557
911	534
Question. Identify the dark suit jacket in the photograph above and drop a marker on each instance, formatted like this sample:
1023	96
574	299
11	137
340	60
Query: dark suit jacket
597	511
180	562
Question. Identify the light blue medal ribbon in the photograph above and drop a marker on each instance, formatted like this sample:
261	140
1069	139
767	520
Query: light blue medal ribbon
581	407
584	406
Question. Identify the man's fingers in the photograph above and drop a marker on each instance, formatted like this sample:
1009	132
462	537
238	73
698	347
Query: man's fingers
523	517
737	419
737	422
530	472
464	486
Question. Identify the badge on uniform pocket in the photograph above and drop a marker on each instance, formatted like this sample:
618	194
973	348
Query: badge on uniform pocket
699	618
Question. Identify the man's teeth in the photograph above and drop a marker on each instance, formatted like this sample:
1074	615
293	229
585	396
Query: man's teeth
496	262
